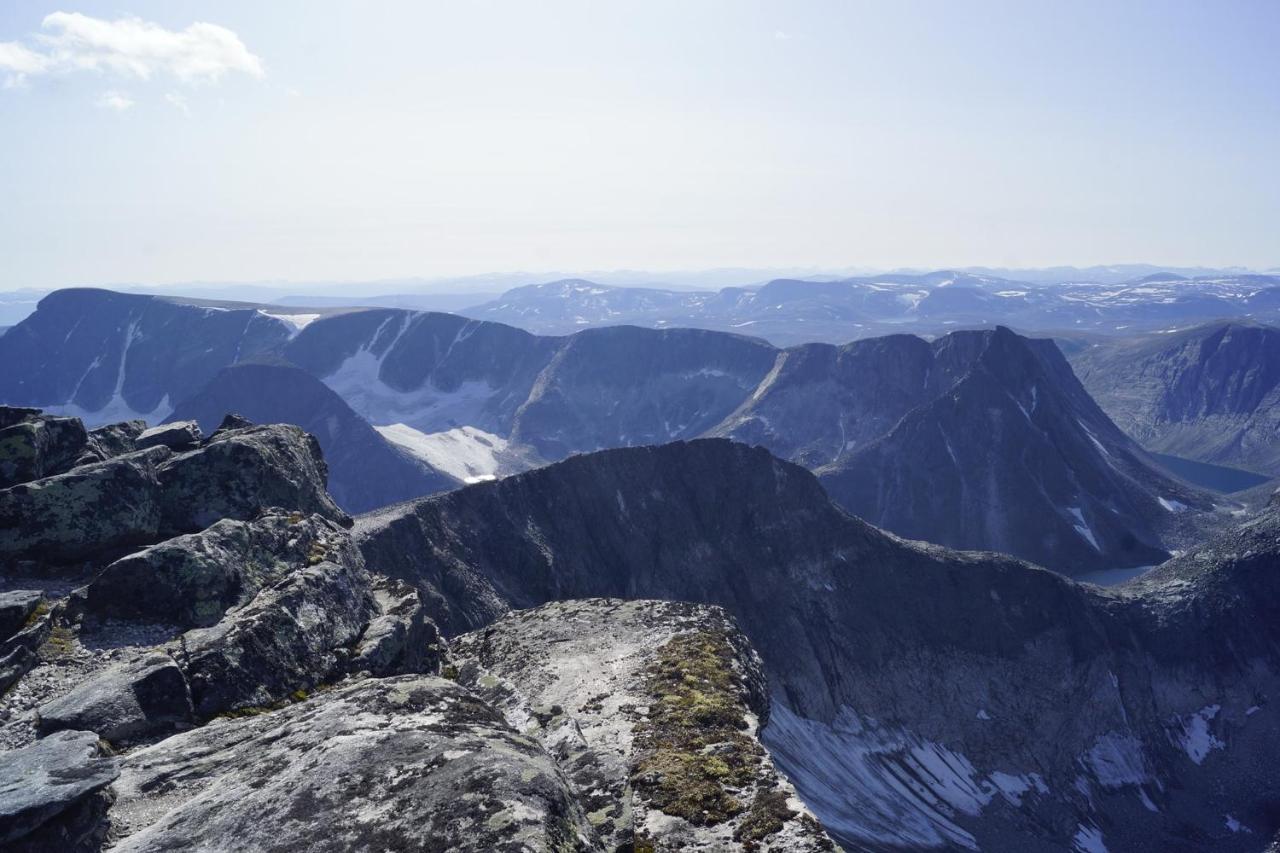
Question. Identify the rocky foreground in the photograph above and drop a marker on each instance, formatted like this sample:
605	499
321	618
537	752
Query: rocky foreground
197	657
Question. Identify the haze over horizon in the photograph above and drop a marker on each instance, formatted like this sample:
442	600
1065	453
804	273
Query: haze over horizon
319	142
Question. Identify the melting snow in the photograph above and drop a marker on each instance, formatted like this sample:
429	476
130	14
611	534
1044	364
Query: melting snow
1171	505
1088	839
298	321
1117	760
465	453
1194	735
1082	526
1235	825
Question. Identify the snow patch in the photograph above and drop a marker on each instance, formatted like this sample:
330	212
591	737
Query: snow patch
1083	528
464	453
1194	736
1117	760
1088	839
297	321
1171	505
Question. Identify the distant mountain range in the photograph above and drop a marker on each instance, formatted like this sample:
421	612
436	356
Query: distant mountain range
791	311
976	440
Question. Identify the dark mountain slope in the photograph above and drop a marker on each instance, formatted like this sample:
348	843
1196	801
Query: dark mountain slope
1211	393
365	470
925	697
109	356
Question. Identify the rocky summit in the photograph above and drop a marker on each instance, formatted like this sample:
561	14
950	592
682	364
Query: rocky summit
198	656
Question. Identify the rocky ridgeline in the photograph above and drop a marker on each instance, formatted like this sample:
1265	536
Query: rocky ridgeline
197	656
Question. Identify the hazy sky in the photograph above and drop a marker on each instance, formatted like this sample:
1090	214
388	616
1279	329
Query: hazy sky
319	140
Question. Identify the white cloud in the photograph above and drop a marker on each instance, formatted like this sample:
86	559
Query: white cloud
113	100
130	47
781	35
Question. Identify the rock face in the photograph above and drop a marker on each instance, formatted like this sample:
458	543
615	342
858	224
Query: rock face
1211	393
365	470
652	708
192	580
53	795
922	697
394	764
34	446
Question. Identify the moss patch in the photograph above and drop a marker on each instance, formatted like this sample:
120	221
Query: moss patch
693	755
768	814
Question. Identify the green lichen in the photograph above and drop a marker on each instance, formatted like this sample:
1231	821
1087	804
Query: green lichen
41	608
449	671
768	814
693	755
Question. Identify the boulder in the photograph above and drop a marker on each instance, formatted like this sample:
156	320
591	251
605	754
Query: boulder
123	703
16	608
405	763
34	445
238	472
18	652
652	708
116	439
191	580
180	435
402	639
53	795
92	508
290	638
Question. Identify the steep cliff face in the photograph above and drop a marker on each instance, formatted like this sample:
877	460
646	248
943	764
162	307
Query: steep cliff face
106	356
1211	393
1014	456
923	697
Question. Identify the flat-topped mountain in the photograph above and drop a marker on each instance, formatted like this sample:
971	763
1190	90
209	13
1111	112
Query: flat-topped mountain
924	698
1211	393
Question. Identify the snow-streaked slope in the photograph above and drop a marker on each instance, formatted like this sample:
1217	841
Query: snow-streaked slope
466	453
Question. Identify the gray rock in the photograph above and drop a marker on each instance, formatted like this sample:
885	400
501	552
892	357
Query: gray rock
16	607
238	472
126	702
35	445
402	639
180	435
191	580
599	682
290	638
92	508
43	784
405	763
18	652
116	439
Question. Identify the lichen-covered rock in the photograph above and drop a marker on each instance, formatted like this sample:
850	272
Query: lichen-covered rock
652	708
191	580
52	795
35	445
238	472
405	763
126	702
290	638
18	652
402	639
116	439
180	435
86	510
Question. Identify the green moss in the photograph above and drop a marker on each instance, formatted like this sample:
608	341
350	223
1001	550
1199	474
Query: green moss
41	608
449	671
299	695
693	754
768	814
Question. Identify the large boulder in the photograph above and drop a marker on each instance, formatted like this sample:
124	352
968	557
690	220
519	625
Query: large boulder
27	620
238	472
16	608
89	509
652	708
116	439
405	763
34	445
290	638
179	435
124	702
191	580
53	795
402	639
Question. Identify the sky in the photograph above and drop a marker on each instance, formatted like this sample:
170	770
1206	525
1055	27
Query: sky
175	141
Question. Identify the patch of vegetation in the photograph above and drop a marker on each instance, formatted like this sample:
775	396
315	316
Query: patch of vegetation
41	609
449	671
693	755
768	814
